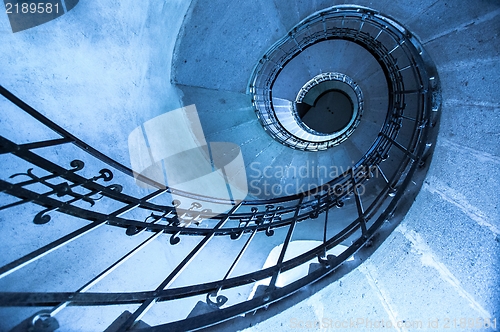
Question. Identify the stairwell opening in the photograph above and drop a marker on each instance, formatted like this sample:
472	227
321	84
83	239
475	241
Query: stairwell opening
331	112
328	106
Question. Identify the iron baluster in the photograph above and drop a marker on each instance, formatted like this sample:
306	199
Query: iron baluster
359	203
316	211
221	300
243	224
135	230
41	252
64	188
187	218
272	283
399	146
54	311
76	164
146	305
323	258
407	118
269	219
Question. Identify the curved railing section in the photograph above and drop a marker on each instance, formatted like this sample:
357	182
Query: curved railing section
339	82
106	197
394	47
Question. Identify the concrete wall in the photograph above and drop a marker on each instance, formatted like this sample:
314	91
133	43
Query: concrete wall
97	65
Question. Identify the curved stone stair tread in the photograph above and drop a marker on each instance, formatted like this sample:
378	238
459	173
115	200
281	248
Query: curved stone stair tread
342	56
276	165
291	78
354	152
296	171
283	110
365	67
271	156
281	175
390	166
340	157
373	84
365	135
227	134
303	178
375	99
258	250
370	73
340	53
211	53
375	125
223	99
290	13
341	160
338	219
218	110
249	138
311	62
285	115
373	187
313	229
375	114
405	133
375	104
243	135
334	61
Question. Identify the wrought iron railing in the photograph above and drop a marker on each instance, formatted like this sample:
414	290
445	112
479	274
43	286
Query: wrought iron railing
100	192
292	122
394	48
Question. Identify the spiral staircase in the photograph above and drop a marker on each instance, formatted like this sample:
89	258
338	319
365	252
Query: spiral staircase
325	235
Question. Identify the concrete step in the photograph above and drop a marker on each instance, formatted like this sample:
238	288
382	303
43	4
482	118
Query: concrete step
291	78
218	110
353	151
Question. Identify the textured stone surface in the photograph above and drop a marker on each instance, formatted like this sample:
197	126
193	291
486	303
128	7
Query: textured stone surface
98	64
